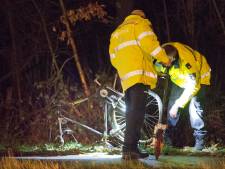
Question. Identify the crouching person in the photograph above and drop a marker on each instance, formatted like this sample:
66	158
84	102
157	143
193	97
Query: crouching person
190	75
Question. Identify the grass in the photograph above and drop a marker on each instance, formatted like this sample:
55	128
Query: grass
56	149
11	163
190	151
77	148
7	163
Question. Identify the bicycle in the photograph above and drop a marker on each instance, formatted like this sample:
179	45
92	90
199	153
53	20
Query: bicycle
114	117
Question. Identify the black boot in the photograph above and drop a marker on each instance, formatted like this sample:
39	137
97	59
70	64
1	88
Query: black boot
133	154
199	139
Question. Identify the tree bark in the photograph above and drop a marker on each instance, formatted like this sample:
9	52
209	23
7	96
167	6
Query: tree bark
50	46
219	16
166	20
14	54
189	16
74	50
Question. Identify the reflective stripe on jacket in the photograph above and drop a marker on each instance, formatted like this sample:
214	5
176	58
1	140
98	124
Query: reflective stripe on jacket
192	71
132	48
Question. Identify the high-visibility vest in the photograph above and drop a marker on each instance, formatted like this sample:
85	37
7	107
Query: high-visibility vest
188	72
190	62
192	71
133	45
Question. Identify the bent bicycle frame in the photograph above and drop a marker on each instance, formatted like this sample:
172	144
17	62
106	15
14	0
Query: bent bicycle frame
115	100
108	101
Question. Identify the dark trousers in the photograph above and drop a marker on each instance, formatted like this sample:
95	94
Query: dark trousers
135	100
195	108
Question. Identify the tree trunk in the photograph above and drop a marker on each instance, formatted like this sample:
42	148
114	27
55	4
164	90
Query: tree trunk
189	17
219	16
14	54
74	50
44	25
166	20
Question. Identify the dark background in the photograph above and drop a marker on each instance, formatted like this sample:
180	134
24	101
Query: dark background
194	22
26	61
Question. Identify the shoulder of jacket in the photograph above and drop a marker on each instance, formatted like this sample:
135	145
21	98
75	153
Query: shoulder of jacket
131	19
135	19
174	44
180	47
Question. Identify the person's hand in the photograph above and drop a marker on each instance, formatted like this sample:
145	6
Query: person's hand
173	111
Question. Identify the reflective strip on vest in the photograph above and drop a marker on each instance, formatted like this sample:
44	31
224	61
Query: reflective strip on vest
205	74
138	72
112	56
142	35
156	51
125	44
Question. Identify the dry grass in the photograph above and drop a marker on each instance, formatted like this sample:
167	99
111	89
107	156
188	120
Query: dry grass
217	165
11	163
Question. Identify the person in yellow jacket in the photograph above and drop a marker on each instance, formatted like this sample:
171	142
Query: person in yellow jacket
190	75
133	47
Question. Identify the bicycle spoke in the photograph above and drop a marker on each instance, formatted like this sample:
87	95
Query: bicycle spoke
153	101
152	117
120	113
121	126
119	116
120	120
147	131
149	124
151	121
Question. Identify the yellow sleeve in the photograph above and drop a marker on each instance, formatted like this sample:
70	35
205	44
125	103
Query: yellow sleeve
149	43
191	89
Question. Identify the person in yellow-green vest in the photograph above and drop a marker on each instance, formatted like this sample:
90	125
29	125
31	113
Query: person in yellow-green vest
190	75
133	47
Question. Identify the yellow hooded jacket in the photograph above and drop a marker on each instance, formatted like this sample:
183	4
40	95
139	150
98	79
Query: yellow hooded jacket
192	71
133	45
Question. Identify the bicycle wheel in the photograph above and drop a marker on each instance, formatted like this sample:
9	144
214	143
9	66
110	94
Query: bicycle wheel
152	115
117	120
